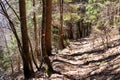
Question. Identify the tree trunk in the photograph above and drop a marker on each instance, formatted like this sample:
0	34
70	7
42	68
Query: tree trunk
37	49
27	61
48	26
61	42
43	40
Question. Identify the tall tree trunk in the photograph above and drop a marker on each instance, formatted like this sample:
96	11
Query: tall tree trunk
61	42
27	61
48	26
43	40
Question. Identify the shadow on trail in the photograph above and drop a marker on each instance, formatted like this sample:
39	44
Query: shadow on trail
104	75
65	62
97	51
109	58
115	44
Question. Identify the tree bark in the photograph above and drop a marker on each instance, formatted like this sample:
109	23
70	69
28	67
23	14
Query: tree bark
43	40
61	42
37	49
48	26
27	61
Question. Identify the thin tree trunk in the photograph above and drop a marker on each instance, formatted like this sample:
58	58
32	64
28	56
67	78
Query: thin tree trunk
37	50
61	42
19	62
32	55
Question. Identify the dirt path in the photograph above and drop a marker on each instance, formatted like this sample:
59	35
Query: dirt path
83	62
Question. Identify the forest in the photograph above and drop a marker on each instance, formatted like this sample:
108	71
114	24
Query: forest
59	39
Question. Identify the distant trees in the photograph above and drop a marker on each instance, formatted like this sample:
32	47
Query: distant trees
84	28
104	16
11	26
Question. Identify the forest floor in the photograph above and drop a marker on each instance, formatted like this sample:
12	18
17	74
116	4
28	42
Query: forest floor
82	61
